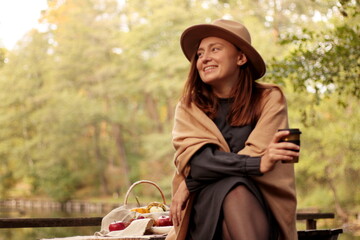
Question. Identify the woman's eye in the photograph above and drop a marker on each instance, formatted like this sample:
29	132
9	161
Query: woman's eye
215	49
199	54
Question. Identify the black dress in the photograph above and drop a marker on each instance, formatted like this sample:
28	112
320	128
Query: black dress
214	173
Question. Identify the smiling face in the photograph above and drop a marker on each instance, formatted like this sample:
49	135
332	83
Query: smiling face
218	64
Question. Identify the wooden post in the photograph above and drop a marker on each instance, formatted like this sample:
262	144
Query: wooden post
312	217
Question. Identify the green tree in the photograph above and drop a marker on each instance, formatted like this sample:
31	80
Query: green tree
85	38
329	159
324	61
22	83
321	76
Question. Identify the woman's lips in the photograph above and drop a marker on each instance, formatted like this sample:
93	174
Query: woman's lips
209	68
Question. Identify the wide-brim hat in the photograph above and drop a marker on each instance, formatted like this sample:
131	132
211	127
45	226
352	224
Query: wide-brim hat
231	31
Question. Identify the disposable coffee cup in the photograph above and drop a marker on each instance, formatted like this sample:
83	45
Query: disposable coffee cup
293	137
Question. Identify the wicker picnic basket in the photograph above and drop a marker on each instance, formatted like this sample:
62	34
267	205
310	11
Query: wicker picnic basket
142	182
128	212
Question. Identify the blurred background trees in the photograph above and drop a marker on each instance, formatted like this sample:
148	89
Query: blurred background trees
86	105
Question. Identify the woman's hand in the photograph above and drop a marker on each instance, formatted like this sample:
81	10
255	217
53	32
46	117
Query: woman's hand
277	151
178	203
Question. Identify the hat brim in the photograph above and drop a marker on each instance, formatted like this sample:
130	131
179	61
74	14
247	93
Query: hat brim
192	36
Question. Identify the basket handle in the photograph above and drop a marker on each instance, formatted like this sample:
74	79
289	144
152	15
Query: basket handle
140	182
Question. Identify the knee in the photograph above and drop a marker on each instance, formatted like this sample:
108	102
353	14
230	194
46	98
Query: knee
239	190
240	193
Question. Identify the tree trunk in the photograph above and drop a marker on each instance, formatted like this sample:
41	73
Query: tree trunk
100	162
170	110
151	108
119	141
338	208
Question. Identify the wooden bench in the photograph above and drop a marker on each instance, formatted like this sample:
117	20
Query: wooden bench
311	218
311	232
324	234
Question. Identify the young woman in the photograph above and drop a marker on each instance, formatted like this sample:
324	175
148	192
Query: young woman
230	182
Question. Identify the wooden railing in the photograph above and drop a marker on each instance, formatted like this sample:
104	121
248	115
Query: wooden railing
310	218
49	222
311	233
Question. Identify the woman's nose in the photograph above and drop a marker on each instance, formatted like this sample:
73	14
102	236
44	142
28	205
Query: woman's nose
206	58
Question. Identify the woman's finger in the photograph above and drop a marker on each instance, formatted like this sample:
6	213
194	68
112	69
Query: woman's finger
174	216
171	215
271	153
175	213
287	151
178	215
287	146
279	135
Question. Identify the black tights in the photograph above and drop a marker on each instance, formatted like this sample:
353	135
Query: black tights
244	217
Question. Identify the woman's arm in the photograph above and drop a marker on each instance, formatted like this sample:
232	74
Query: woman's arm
209	164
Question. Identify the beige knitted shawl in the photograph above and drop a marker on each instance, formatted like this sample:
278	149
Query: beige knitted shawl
193	129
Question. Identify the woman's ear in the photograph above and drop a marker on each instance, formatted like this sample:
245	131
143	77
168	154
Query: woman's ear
241	60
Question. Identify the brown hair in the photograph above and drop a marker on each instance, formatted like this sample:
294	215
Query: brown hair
247	95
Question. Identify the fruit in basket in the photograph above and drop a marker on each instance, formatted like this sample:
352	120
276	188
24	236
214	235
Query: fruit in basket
139	217
156	207
163	221
118	225
140	210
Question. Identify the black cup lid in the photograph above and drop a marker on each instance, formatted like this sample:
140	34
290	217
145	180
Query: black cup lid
291	130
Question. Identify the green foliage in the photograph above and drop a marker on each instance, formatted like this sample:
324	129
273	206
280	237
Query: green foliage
330	150
321	76
324	61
